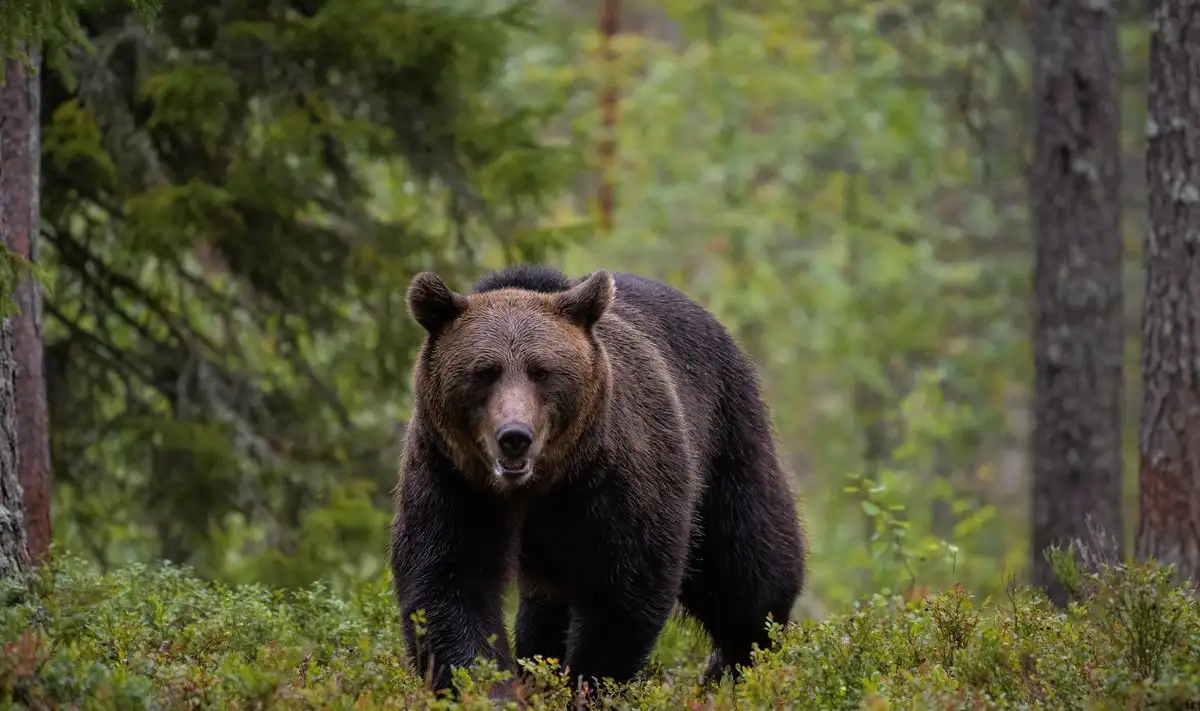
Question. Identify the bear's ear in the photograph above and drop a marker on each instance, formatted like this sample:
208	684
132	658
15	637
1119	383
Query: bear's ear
432	303
585	303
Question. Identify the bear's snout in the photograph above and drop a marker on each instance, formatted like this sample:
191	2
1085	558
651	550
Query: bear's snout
514	439
514	465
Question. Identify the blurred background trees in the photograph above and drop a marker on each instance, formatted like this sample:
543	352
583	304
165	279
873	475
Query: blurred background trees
234	197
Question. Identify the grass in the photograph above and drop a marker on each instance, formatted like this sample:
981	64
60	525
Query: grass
160	638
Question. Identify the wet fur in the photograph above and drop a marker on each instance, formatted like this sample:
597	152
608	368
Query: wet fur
669	490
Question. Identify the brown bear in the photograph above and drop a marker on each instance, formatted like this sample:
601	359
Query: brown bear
604	441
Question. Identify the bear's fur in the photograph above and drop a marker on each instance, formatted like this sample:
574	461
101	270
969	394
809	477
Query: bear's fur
651	477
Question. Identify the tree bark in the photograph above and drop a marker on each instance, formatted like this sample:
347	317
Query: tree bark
14	550
1077	280
1169	492
20	172
608	25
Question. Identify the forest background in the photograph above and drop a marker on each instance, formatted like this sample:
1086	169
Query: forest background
232	206
924	220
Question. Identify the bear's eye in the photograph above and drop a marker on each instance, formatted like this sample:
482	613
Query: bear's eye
486	373
538	374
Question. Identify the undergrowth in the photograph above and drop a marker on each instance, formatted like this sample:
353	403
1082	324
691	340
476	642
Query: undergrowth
143	638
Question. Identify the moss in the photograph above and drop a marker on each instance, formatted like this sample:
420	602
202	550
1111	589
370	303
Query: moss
139	637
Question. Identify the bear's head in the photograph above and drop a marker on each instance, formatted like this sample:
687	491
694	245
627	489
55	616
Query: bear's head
510	379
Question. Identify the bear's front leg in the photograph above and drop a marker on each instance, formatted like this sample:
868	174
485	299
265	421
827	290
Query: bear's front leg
614	637
450	562
454	632
542	623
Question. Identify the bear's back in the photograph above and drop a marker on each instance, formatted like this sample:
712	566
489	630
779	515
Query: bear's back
532	277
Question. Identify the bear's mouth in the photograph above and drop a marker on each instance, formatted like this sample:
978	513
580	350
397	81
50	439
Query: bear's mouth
514	469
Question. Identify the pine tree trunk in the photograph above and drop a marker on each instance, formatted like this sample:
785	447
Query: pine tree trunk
20	108
14	550
1077	281
1169	492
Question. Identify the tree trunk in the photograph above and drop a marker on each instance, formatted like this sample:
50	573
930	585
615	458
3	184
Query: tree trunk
20	107
1169	492
14	549
1077	281
608	25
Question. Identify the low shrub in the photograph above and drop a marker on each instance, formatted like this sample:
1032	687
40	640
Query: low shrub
160	638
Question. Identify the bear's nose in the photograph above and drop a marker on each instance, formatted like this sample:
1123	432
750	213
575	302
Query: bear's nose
514	439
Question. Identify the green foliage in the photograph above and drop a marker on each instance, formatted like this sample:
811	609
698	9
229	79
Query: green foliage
139	637
24	21
235	199
13	268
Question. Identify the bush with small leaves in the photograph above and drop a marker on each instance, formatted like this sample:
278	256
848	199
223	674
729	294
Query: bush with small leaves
161	638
